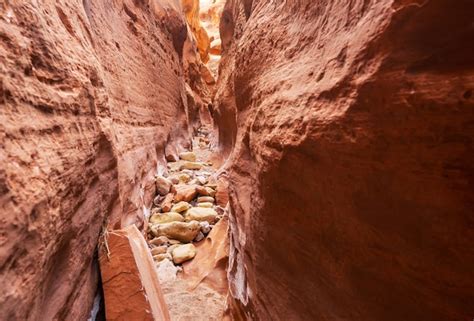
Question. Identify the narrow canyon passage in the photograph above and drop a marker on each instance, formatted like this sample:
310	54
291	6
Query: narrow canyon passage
187	237
237	160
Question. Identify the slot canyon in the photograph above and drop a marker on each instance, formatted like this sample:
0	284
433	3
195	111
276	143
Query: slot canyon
182	160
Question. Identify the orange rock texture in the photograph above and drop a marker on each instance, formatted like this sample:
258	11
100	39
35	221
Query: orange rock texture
91	92
131	287
350	131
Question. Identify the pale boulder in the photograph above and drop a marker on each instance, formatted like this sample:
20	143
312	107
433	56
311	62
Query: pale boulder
191	165
204	199
160	218
183	253
180	207
182	231
184	178
205	204
188	156
201	214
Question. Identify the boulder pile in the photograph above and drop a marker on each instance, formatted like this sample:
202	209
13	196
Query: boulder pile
184	210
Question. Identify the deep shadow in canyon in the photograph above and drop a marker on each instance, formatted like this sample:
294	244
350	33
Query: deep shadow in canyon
345	131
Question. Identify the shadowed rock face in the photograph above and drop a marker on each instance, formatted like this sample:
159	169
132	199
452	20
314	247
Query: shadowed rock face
351	130
90	94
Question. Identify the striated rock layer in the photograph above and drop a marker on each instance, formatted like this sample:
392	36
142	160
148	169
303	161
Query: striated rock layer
352	128
91	92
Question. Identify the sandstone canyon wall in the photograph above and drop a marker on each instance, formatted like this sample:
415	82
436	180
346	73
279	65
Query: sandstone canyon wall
91	92
351	126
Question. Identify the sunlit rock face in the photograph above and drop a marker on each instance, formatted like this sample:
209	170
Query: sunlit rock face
91	92
350	127
210	14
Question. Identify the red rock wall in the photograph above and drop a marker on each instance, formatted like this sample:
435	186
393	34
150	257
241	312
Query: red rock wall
90	94
352	127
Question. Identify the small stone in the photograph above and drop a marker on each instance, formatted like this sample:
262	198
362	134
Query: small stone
191	165
173	242
166	271
172	247
205	227
167	202
184	178
211	185
180	207
183	253
205	191
163	185
201	190
160	240
157	200
199	237
160	218
181	231
159	250
203	199
201	214
161	257
193	182
201	179
174	179
210	191
188	171
205	204
188	156
185	192
171	158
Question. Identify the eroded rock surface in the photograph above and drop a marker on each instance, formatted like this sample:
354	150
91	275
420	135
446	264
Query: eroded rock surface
131	286
352	190
91	92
